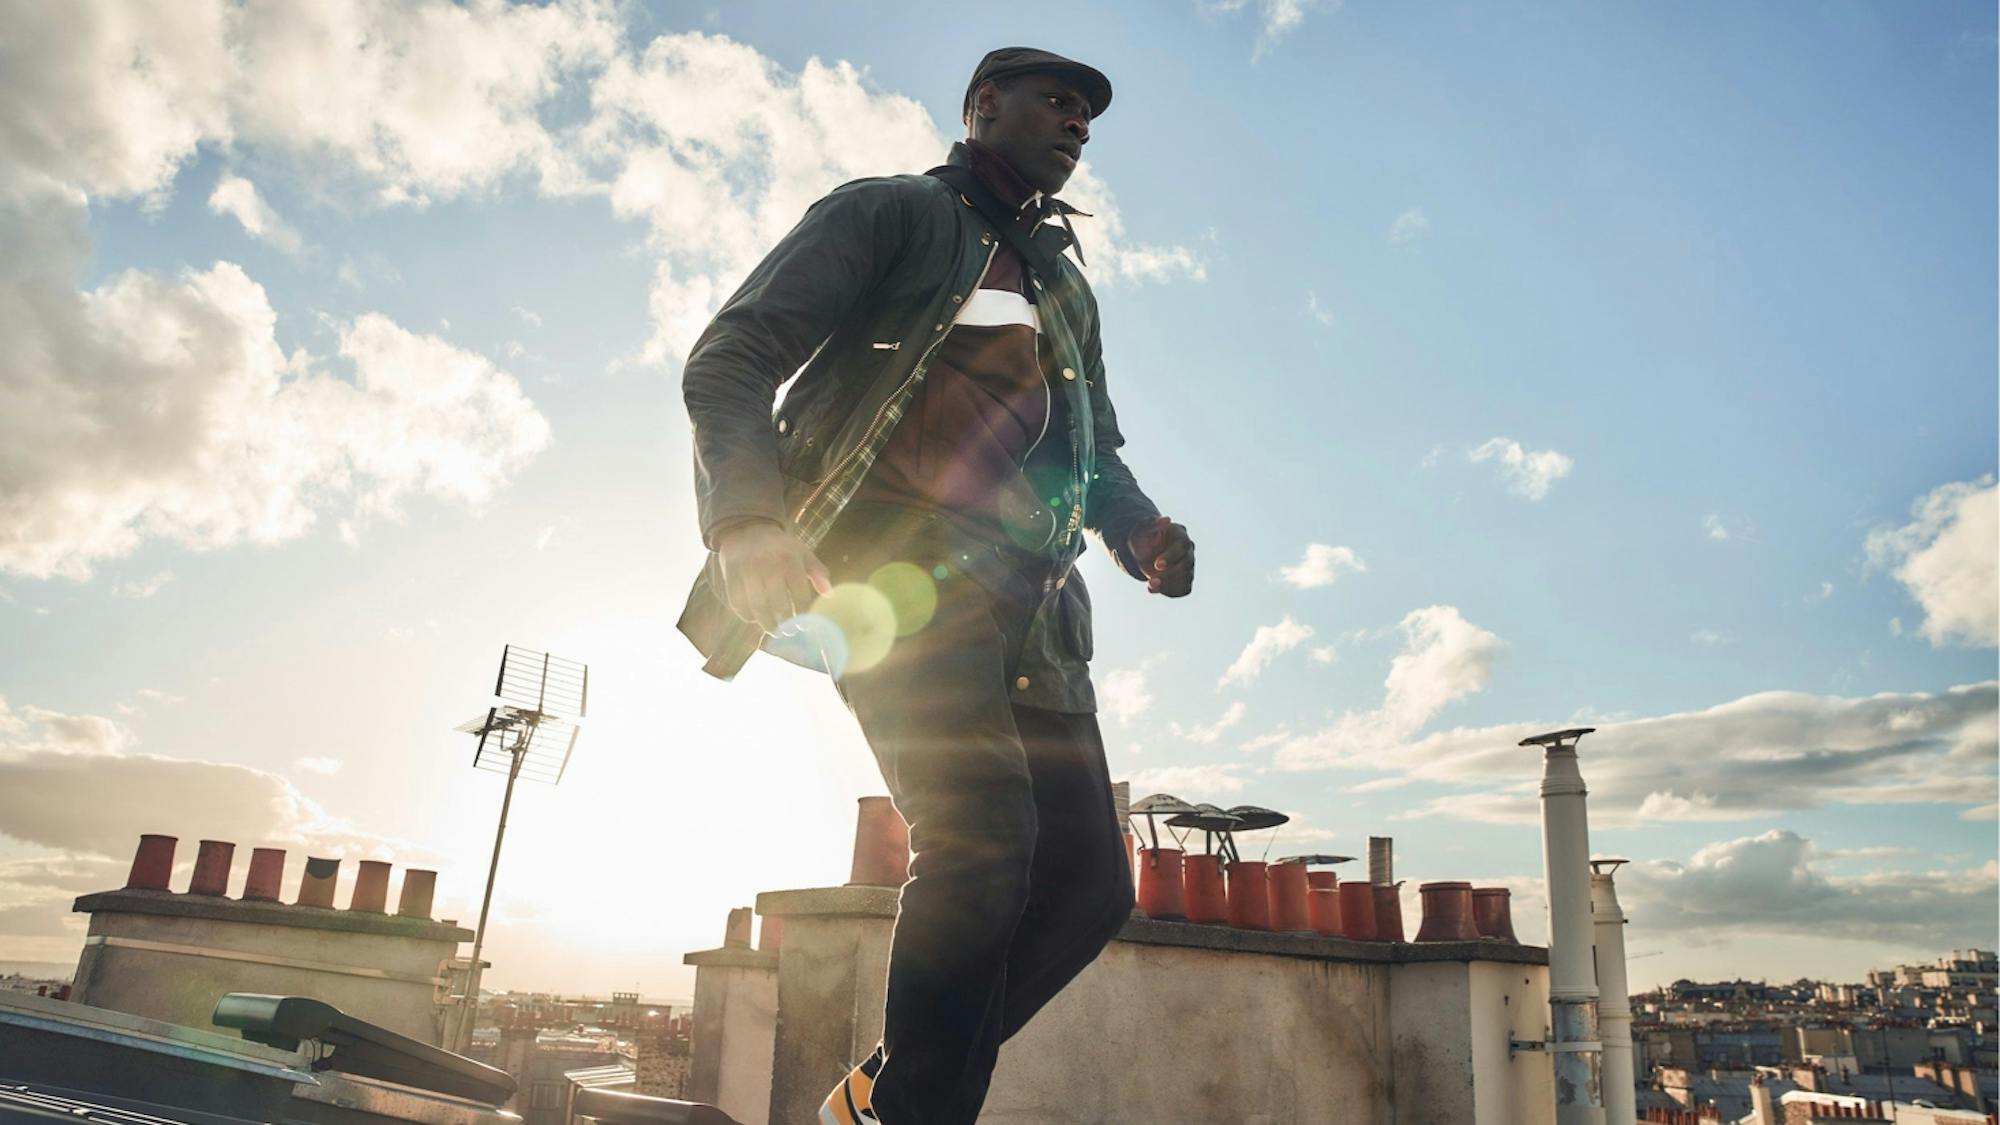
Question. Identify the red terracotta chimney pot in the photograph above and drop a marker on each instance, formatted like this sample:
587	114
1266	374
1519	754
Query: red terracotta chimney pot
212	862
1447	912
881	845
419	889
1389	911
371	888
266	879
1287	888
1249	895
1493	913
152	864
1207	901
1357	911
316	885
1162	885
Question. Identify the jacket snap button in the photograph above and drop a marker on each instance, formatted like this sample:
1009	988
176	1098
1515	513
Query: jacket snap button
781	425
1021	684
1069	373
937	327
955	298
986	240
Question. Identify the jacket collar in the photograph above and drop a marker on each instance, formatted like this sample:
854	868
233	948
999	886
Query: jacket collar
1007	184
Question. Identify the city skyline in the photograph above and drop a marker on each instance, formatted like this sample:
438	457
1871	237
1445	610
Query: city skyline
1514	370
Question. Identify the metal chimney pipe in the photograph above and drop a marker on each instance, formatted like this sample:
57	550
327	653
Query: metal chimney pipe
1573	1043
1381	860
1614	1006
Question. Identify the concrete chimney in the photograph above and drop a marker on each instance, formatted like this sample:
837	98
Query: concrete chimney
737	934
1381	860
1614	1004
1573	1044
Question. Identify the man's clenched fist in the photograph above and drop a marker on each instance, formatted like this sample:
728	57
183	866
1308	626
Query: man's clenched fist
768	575
1163	548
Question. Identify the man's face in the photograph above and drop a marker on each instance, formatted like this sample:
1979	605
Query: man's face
1039	123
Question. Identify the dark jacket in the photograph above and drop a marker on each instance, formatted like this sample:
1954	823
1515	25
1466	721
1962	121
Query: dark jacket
854	300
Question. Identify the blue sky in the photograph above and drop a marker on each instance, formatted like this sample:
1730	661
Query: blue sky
1513	366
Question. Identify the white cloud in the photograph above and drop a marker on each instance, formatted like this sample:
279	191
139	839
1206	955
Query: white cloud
215	436
720	150
1322	566
1709	637
1122	694
1192	783
1947	558
1825	592
1774	883
1275	18
163	409
1444	658
1325	654
143	587
1759	755
324	766
1209	733
1712	524
529	317
1409	226
1266	645
1527	473
1431	457
1317	311
237	197
155	695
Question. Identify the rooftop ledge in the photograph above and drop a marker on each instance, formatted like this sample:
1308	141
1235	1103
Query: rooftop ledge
172	905
880	902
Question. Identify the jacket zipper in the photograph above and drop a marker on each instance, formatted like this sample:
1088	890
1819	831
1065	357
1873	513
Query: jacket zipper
916	374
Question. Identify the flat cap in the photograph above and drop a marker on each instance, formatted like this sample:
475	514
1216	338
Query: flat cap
1008	61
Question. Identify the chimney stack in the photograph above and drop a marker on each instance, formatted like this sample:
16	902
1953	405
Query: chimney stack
1614	1004
1381	857
211	868
1573	1044
737	934
152	864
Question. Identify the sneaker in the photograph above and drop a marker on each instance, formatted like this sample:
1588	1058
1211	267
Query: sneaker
848	1103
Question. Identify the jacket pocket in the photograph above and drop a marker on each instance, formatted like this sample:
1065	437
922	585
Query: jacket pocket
1075	610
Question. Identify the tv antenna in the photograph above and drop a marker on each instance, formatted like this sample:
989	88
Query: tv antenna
530	730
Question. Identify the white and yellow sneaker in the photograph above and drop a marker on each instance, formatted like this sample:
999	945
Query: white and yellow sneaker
848	1103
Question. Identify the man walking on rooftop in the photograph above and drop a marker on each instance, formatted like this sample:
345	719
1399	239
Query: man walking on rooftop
909	519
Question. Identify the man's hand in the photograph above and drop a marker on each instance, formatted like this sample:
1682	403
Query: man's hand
768	575
1167	554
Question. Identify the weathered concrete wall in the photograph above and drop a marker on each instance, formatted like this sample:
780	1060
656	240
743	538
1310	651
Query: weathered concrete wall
171	957
735	1019
1180	1022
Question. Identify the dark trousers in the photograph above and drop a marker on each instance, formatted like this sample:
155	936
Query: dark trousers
1019	874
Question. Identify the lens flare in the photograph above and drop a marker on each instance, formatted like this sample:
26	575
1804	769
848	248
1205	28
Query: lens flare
911	593
862	618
